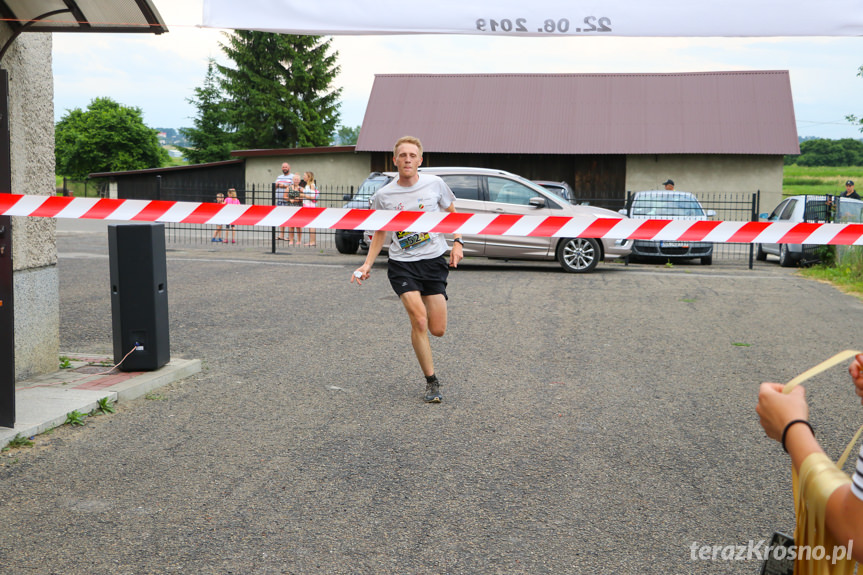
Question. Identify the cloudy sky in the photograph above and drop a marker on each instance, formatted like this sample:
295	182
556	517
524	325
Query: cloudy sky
159	73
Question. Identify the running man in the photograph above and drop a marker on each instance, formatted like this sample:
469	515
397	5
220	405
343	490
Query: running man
417	268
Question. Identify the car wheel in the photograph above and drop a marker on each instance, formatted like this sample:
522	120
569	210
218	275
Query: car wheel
578	255
345	244
785	259
760	254
707	260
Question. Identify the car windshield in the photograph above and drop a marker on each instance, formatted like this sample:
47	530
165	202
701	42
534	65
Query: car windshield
528	183
371	185
777	211
849	211
666	206
556	189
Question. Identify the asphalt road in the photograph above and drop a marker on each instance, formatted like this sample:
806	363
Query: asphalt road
594	424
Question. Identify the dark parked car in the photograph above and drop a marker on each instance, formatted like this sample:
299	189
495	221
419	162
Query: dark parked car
669	205
348	241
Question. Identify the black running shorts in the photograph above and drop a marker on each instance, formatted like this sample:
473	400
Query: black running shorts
425	276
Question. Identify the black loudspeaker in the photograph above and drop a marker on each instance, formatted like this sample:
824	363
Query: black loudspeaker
139	295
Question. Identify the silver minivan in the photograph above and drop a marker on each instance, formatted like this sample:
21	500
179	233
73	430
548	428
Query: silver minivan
497	192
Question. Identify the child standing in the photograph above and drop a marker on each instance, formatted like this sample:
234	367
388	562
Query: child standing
217	237
232	199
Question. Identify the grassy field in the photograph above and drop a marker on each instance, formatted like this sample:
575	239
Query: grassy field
77	188
798	180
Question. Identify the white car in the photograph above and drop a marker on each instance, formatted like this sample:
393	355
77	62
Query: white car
669	205
497	192
813	209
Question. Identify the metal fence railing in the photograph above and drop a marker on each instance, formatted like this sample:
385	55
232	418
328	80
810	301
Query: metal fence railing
726	206
738	206
262	195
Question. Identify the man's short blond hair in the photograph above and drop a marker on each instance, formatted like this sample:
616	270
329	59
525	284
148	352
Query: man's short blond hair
407	140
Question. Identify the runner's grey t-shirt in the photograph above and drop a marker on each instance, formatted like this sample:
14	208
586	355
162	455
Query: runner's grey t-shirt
429	194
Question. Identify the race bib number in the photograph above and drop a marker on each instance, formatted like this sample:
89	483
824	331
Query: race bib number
410	240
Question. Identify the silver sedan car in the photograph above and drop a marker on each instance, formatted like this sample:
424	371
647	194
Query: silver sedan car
497	192
807	208
674	205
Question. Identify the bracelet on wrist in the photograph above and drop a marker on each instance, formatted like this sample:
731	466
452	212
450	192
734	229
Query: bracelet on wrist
787	427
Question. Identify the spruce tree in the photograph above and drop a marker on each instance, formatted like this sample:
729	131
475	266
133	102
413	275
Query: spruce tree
279	92
209	140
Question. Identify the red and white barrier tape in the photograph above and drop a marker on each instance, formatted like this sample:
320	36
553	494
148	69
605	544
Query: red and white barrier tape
445	222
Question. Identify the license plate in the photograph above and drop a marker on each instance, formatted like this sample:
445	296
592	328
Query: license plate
673	245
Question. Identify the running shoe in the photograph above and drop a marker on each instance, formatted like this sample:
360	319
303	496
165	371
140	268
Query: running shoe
433	394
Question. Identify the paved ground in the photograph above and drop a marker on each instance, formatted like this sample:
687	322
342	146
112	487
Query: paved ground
45	401
591	424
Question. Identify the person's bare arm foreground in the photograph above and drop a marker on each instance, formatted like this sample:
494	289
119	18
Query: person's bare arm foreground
844	513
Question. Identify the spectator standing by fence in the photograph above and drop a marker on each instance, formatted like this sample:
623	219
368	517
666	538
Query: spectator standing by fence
283	183
292	195
309	196
849	193
217	237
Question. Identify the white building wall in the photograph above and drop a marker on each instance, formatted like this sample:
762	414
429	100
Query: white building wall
332	170
708	174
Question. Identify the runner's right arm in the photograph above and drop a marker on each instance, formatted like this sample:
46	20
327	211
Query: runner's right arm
374	249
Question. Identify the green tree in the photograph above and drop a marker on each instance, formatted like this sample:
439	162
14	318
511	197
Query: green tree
823	152
348	136
208	140
279	92
107	137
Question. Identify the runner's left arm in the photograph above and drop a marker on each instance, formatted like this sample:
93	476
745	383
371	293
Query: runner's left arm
456	254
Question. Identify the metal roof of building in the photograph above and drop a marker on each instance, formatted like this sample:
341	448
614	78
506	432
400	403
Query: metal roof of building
167	169
748	112
82	16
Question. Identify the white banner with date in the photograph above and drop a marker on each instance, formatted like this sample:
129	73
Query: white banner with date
677	18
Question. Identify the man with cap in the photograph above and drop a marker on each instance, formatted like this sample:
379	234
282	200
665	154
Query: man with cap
669	184
848	193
